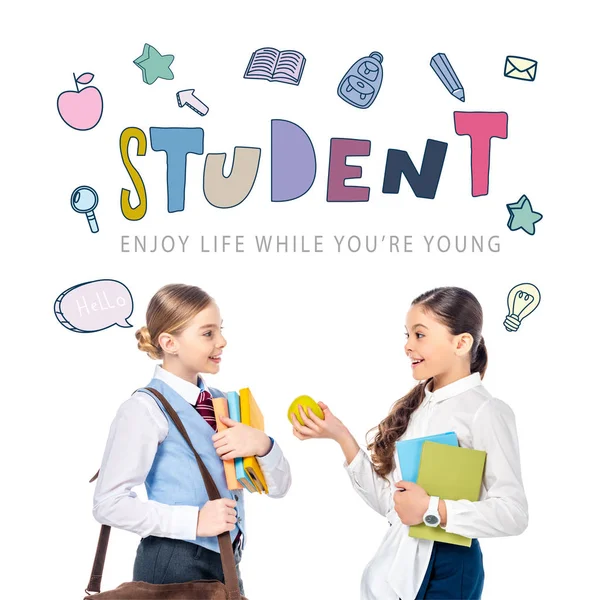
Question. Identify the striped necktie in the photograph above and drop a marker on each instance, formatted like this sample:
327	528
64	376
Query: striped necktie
204	406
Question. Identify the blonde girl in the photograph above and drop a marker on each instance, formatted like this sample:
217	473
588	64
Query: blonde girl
179	524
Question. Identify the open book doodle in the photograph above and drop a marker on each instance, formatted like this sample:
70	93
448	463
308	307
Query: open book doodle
285	66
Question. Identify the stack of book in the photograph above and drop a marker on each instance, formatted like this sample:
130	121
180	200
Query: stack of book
443	469
241	472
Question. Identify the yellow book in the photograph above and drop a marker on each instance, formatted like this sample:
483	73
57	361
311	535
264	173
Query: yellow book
251	415
222	410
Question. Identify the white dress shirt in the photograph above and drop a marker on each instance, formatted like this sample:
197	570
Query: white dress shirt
138	428
481	422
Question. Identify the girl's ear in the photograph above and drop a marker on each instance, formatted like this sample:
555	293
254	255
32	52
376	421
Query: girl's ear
464	344
168	343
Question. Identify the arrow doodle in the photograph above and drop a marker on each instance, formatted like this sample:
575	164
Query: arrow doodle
187	98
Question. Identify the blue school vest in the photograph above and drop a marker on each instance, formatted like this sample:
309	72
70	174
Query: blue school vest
175	478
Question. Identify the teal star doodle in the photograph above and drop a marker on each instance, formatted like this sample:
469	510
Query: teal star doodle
154	65
522	215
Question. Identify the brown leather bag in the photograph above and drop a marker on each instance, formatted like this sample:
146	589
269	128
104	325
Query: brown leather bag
192	590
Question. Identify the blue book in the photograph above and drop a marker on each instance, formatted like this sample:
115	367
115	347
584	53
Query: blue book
233	403
409	452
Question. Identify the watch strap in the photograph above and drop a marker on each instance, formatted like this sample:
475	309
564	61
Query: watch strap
434	503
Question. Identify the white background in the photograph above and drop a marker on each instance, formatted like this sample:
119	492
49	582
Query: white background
329	325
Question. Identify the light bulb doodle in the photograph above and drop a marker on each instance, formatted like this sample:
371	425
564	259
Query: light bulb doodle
84	200
523	299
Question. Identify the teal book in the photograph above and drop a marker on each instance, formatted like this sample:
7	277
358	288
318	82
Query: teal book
409	452
233	402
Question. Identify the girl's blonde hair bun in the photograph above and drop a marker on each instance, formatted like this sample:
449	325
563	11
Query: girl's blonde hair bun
146	345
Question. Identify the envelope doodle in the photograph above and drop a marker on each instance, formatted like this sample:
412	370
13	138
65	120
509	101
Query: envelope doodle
517	67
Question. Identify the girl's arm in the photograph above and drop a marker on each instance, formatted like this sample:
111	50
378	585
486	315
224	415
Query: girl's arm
276	471
503	510
373	489
272	461
131	447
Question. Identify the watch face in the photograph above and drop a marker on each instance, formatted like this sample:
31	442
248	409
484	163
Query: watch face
431	519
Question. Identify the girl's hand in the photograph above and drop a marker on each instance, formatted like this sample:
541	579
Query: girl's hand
330	427
411	504
240	440
215	517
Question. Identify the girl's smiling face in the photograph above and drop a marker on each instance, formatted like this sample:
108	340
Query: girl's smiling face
198	347
433	350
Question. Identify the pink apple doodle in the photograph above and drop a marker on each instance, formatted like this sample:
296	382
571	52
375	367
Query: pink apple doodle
81	109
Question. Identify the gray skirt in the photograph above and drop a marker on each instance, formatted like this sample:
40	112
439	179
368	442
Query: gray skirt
164	560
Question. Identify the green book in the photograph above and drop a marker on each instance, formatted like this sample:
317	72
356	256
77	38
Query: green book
452	473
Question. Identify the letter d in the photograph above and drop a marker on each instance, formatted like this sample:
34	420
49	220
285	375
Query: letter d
293	161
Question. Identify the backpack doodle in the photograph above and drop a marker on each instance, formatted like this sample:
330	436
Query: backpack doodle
361	84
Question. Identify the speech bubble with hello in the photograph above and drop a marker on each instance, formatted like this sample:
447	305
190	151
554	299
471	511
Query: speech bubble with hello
94	306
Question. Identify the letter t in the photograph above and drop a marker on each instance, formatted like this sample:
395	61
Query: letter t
481	127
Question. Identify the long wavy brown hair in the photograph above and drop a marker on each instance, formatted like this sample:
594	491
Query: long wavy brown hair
459	311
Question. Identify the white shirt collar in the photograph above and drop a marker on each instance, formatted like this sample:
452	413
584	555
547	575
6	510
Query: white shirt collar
187	390
453	389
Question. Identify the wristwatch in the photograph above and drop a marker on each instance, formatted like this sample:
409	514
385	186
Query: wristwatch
432	516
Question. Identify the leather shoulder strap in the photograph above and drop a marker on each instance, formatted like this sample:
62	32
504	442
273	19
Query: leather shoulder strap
212	490
227	558
94	584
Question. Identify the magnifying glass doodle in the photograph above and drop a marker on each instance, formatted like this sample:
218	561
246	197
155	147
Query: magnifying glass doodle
84	200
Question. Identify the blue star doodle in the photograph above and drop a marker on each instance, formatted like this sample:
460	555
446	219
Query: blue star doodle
154	65
522	215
